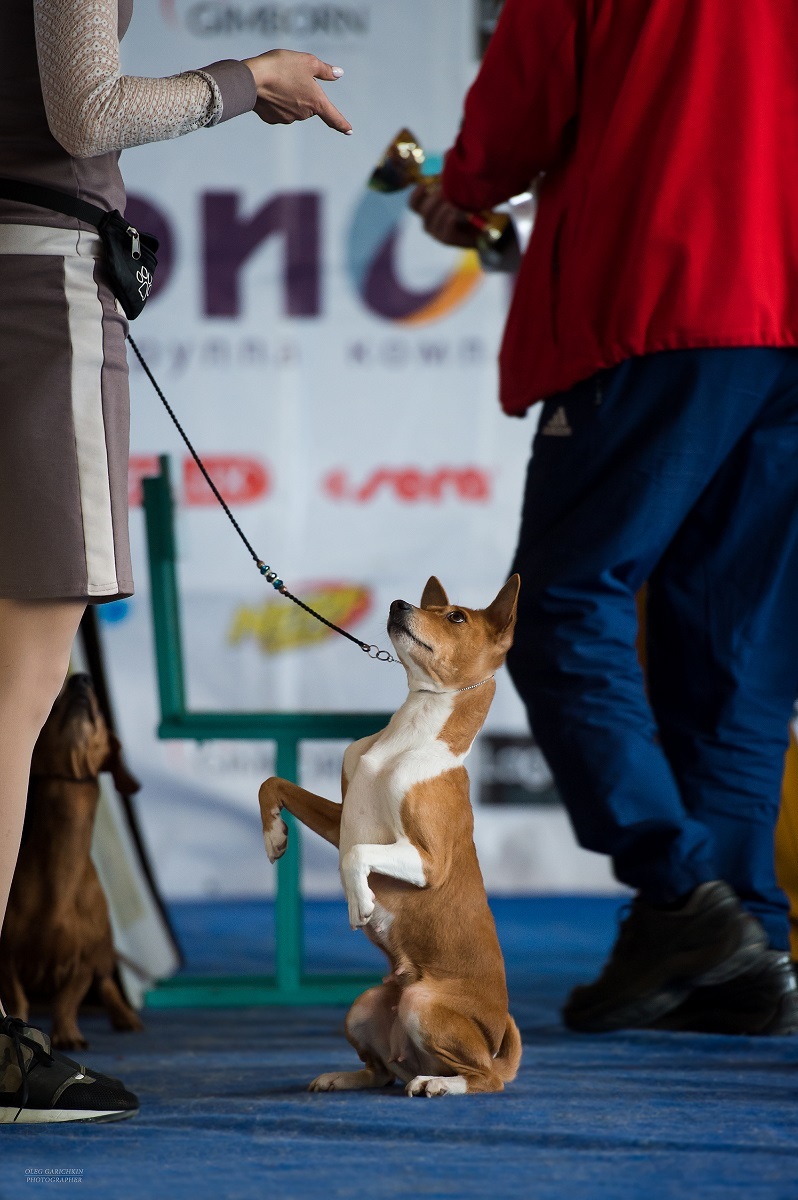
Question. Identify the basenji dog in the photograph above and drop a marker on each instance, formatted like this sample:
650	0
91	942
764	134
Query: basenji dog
439	1023
56	939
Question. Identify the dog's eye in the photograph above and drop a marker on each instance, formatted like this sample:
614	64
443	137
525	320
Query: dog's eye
456	618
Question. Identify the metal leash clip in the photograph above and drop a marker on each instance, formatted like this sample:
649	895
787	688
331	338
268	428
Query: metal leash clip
379	655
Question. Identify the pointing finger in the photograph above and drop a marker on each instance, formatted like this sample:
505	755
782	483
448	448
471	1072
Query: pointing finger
332	117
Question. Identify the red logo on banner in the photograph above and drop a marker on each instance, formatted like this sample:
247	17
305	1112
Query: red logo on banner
412	485
239	478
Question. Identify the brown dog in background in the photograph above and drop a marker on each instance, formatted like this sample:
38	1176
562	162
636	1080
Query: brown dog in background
56	939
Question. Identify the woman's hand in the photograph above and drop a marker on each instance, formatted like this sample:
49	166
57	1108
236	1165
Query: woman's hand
288	91
441	219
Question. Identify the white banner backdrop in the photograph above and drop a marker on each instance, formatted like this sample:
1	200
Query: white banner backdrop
337	368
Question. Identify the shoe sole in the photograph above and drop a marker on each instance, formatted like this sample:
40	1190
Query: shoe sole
776	1016
730	1025
645	1010
59	1116
781	1024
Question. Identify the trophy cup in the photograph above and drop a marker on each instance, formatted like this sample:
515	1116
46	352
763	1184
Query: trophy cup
401	167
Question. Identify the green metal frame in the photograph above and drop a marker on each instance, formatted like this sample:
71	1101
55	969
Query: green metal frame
289	985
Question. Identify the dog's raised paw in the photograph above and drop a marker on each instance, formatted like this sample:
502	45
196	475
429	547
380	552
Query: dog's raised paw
437	1085
275	837
361	907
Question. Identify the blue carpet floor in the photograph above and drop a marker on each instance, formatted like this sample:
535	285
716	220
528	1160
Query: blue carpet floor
636	1116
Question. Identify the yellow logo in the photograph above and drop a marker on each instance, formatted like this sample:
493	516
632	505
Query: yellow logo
279	625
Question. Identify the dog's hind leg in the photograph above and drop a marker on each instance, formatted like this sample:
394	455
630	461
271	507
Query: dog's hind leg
320	815
120	1014
452	1053
368	1027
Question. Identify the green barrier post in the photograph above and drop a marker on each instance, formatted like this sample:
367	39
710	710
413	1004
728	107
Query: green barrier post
290	984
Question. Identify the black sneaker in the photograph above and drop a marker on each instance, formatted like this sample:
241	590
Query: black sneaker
761	1001
661	955
54	1088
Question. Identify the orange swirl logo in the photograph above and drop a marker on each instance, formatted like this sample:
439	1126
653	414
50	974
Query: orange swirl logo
372	252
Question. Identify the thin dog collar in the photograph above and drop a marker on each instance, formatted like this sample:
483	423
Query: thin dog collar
471	686
468	688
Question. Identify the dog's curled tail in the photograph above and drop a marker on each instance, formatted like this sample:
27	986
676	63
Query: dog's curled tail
506	1062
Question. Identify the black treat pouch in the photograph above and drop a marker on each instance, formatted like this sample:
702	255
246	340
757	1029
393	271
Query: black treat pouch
129	260
129	254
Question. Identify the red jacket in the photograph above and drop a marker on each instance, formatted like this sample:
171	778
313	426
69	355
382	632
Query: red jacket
668	134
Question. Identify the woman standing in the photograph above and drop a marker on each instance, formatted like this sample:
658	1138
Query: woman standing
66	112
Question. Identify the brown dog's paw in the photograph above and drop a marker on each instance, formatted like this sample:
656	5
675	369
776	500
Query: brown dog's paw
275	833
120	1014
66	1039
275	836
127	1022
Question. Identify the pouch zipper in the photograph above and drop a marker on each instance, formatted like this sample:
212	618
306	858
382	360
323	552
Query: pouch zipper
136	240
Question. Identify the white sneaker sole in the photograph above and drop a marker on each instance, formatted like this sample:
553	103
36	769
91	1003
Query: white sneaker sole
48	1116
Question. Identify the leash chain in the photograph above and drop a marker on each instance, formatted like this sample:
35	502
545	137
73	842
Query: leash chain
266	571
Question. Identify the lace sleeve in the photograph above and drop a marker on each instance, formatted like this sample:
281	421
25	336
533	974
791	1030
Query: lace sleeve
91	107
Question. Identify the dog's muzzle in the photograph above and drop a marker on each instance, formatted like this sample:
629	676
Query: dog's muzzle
398	613
399	622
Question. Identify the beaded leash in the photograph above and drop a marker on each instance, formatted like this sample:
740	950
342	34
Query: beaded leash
266	571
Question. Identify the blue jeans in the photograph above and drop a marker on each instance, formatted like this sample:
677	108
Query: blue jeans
680	469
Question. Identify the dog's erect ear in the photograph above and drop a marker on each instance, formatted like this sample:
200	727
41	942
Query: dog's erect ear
125	783
433	595
501	613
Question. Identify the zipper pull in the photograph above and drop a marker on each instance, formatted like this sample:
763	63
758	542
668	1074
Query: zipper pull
134	236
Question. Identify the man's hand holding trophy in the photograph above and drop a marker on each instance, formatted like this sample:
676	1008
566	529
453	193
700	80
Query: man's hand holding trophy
492	234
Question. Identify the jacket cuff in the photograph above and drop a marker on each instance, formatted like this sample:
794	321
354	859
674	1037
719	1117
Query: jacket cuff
236	83
457	186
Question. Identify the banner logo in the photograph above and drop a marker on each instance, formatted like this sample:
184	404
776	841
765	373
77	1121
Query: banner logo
239	478
210	18
278	625
372	264
411	485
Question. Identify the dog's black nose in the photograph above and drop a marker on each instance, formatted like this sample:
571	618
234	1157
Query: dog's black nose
80	682
400	606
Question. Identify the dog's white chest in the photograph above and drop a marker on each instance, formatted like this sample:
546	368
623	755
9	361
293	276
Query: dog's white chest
408	752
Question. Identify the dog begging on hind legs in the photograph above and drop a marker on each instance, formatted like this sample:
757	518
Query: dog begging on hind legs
439	1023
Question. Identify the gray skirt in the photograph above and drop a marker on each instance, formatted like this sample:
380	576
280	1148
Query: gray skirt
64	420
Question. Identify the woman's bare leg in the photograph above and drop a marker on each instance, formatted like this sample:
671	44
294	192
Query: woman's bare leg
35	641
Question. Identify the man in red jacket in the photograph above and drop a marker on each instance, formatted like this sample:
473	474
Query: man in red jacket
656	315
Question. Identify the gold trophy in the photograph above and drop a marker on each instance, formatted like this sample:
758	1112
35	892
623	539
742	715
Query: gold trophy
401	167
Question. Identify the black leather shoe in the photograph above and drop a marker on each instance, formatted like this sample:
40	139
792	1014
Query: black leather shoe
662	955
761	1001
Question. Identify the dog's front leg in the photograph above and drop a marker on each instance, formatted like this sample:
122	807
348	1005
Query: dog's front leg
399	860
320	815
65	1033
12	993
